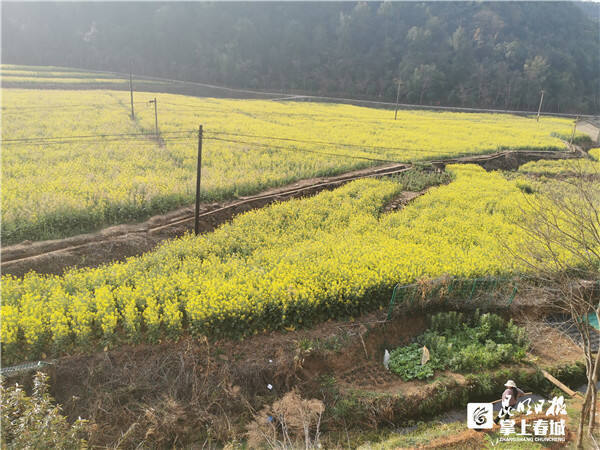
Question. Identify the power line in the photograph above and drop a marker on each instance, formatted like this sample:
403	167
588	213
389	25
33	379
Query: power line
346	156
136	141
127	137
283	96
348	100
136	138
124	135
14	110
302	150
64	106
133	137
129	141
337	144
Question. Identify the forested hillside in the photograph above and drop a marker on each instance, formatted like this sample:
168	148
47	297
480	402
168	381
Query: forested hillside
484	54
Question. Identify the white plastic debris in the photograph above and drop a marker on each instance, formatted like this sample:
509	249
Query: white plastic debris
271	361
269	386
425	357
386	359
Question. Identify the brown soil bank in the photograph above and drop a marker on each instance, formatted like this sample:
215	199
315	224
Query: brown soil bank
119	242
196	392
512	159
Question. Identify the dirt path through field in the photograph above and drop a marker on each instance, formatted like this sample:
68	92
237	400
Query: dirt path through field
119	242
591	128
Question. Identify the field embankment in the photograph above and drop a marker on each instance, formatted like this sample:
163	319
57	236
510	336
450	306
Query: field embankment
200	391
122	241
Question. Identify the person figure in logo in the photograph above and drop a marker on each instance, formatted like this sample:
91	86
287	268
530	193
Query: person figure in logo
510	397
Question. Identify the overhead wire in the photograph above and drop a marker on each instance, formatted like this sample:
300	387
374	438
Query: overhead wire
134	136
7	109
282	97
129	137
337	144
304	150
174	136
119	135
306	141
133	141
150	141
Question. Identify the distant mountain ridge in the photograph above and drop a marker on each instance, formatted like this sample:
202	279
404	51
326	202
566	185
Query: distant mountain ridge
480	54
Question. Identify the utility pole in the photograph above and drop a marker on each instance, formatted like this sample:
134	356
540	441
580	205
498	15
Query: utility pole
540	107
397	99
131	92
574	129
198	177
155	117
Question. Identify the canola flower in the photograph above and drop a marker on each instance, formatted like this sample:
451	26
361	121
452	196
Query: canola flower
55	191
287	265
61	80
32	75
564	167
15	73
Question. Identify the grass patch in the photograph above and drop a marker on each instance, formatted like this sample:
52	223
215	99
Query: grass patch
418	435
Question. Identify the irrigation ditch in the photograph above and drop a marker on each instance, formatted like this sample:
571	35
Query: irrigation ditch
197	392
118	242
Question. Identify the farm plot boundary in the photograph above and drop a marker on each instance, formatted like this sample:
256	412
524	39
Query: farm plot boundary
122	241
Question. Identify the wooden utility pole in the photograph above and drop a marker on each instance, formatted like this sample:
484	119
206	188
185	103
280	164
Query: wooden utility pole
574	129
540	107
198	178
131	94
397	99
155	117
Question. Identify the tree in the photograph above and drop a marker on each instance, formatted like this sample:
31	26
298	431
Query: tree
562	221
486	54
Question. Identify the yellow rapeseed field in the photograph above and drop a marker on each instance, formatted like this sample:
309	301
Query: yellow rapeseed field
52	191
64	79
556	167
287	265
32	75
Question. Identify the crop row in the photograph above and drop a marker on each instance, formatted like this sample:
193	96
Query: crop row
287	265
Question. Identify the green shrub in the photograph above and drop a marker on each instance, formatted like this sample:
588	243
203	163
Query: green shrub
35	422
